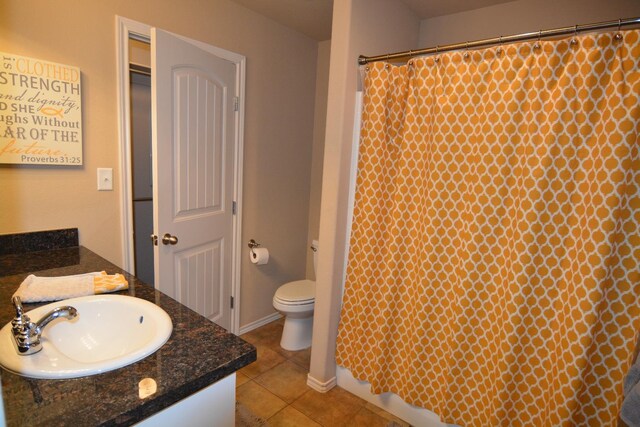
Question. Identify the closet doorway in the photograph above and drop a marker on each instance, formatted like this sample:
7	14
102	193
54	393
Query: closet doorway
181	154
141	158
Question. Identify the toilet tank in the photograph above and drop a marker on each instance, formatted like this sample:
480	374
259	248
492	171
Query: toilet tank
314	248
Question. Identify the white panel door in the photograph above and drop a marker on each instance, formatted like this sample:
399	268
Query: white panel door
193	120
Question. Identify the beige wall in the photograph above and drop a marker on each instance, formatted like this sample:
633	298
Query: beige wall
320	121
359	27
521	16
139	53
278	130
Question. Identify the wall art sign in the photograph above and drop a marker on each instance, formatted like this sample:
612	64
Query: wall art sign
40	112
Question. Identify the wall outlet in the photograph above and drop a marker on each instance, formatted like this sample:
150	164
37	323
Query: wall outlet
105	179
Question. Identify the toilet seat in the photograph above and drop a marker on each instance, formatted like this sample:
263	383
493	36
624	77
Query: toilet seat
299	292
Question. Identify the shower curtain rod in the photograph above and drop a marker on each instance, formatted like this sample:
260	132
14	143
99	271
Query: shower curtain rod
562	31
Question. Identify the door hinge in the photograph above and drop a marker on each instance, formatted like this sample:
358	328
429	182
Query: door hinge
231	302
236	101
234	207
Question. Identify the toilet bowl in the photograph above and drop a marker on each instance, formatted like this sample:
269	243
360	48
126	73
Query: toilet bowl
296	301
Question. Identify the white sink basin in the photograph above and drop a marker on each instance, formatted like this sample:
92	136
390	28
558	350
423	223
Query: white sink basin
110	331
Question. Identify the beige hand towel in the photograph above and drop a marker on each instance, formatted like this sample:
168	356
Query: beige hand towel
39	289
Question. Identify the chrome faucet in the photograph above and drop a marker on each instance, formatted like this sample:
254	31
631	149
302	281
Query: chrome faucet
26	334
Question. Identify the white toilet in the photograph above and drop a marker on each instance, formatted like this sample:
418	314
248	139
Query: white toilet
296	300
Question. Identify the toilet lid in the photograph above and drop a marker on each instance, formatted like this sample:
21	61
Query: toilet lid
300	291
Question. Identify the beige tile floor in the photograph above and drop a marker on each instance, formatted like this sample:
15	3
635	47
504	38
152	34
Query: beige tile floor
273	390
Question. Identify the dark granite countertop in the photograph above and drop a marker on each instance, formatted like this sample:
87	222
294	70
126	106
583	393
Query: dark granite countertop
198	354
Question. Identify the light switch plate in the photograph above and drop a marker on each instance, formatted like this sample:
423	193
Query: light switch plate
105	179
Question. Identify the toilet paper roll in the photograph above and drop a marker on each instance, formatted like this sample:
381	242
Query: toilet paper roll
259	256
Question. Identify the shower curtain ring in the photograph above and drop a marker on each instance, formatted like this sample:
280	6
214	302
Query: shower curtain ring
466	50
436	59
618	35
499	50
574	40
537	44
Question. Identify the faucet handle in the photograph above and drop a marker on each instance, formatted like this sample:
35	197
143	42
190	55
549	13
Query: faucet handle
21	321
17	304
26	334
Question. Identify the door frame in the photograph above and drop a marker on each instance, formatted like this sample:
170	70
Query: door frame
126	29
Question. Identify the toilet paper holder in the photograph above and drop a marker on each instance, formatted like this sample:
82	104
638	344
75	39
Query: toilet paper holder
253	244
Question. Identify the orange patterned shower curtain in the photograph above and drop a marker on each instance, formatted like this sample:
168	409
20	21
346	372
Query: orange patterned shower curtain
493	274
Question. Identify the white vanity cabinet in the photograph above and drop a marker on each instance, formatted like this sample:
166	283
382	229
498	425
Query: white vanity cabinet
211	406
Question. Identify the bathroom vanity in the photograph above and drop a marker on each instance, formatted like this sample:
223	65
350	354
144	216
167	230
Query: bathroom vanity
192	375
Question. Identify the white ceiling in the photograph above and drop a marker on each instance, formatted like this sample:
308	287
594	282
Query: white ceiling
432	8
313	17
310	17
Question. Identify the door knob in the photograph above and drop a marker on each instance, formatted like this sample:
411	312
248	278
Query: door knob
168	239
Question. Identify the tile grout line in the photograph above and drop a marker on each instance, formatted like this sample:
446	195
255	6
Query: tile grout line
265	339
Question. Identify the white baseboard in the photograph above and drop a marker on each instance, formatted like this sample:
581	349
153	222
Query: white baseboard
390	402
260	322
320	386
